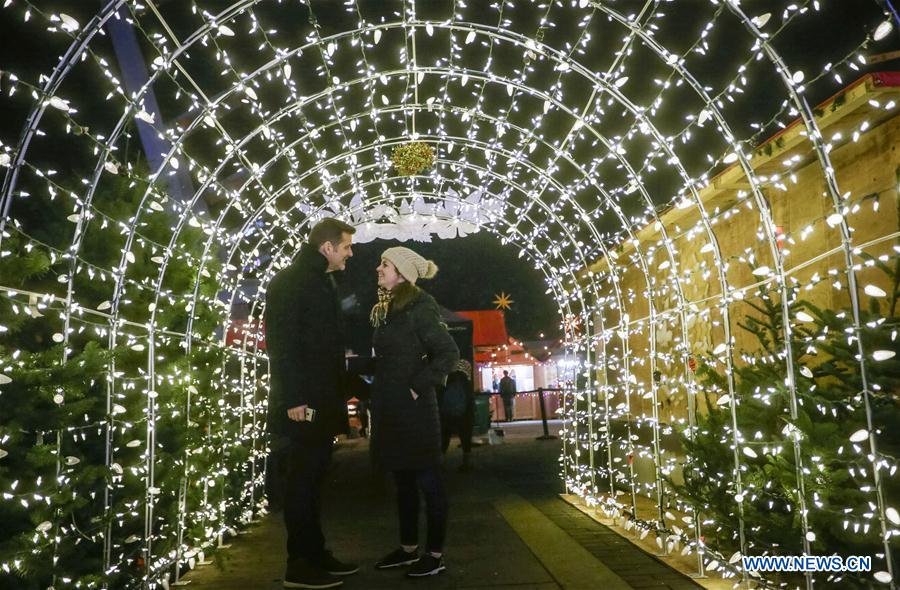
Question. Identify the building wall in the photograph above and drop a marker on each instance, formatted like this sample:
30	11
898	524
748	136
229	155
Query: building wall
867	167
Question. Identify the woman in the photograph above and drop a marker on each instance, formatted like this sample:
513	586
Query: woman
414	354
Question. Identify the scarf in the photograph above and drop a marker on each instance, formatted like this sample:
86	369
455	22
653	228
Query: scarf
380	310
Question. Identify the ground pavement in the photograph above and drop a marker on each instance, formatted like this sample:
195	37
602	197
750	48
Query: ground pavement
508	529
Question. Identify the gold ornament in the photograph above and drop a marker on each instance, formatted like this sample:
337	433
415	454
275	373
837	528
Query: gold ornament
412	158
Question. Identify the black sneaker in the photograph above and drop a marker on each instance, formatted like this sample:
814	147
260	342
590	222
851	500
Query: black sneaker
397	558
427	565
302	574
334	566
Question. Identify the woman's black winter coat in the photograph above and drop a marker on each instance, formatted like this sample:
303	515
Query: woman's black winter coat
413	351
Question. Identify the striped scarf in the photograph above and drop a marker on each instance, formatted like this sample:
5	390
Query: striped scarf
380	310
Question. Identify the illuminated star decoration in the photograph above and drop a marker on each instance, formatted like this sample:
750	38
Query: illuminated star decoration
503	301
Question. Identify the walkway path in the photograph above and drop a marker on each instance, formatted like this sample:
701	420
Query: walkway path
508	530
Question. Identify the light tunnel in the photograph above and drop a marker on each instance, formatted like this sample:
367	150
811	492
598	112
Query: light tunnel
720	236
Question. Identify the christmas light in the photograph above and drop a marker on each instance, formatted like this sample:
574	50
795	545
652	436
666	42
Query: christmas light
543	132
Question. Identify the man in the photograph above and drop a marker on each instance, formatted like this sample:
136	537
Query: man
507	392
457	405
306	399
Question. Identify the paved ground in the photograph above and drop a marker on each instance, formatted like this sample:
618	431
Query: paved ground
508	529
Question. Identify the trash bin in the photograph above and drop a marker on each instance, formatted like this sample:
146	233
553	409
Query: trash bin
482	413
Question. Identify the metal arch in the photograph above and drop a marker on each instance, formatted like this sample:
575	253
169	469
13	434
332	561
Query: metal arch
342	34
768	225
390	25
649	293
284	244
834	192
652	324
598	187
240	84
75	49
152	321
673	154
263	207
279	192
393	198
850	270
377	182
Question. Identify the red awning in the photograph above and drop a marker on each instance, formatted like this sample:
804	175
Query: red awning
488	327
241	330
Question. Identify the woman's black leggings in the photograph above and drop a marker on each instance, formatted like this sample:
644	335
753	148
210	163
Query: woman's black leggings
430	482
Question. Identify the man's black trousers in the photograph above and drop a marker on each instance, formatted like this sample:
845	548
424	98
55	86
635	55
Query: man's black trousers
306	462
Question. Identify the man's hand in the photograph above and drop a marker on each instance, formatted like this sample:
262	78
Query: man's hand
414	394
297	414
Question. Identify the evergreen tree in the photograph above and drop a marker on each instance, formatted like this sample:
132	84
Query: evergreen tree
831	415
55	422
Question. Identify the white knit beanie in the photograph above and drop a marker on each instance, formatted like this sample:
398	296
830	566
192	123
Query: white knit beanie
410	265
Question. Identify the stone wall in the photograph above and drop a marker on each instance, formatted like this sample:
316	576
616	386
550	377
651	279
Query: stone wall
867	172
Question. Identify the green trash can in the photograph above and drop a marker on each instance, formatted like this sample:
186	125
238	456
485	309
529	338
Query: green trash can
482	413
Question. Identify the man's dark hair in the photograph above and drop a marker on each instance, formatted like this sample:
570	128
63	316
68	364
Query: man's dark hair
329	230
506	373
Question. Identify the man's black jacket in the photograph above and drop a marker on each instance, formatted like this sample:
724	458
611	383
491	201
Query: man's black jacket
305	344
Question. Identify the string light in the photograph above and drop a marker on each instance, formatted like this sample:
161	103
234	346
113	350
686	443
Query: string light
532	141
